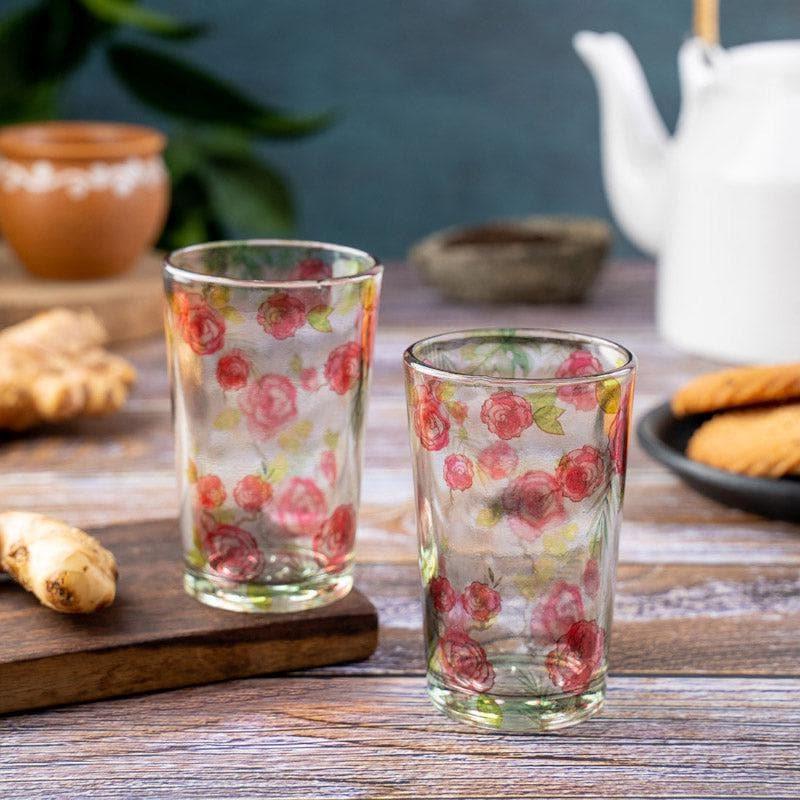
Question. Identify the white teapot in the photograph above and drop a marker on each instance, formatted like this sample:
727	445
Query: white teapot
719	203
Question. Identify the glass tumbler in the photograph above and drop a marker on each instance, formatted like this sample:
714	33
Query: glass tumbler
519	442
269	344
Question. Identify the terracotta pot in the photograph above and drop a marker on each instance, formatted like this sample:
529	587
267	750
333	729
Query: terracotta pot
81	199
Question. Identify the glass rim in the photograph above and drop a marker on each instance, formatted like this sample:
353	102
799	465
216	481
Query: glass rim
412	360
372	269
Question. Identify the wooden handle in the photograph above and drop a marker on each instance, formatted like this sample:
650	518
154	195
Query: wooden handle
706	20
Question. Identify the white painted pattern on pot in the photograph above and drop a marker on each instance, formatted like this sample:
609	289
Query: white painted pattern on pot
122	177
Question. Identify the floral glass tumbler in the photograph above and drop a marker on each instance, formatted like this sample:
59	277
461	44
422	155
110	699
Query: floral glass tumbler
519	442
270	344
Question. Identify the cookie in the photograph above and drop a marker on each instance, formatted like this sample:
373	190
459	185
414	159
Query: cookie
762	442
734	388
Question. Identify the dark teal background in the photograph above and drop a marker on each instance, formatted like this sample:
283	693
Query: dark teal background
451	110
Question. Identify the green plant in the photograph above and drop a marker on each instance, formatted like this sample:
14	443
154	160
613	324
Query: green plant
220	187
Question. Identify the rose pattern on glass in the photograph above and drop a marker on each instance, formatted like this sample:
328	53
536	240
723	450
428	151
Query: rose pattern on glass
269	404
558	610
282	315
458	472
534	501
252	493
581	395
200	325
301	506
581	472
539	469
328	466
481	602
498	460
281	374
233	370
210	491
442	594
430	419
233	553
343	367
336	536
464	661
507	414
576	656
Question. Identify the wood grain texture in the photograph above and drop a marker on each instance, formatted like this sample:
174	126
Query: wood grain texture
705	684
155	636
379	737
129	304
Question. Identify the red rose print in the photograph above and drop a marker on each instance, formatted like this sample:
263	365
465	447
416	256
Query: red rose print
579	364
337	535
202	328
464	662
581	472
343	367
617	436
576	657
458	472
506	414
534	501
301	506
312	269
591	577
481	602
498	460
210	491
430	424
555	614
327	465
268	404
281	314
233	553
442	594
232	370
309	379
252	493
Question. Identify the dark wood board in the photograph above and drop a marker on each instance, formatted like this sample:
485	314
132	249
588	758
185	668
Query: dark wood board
157	637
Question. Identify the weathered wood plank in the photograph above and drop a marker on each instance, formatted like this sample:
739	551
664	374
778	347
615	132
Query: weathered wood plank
679	619
379	737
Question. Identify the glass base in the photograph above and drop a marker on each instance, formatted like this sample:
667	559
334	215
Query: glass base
517	713
260	598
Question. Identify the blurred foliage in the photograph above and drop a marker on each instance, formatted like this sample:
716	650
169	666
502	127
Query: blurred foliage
220	187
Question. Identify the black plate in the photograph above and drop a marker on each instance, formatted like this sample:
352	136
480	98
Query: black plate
664	437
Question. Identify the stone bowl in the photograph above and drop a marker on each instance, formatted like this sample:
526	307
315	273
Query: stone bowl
530	260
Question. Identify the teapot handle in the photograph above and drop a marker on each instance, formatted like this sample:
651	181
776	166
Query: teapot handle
698	63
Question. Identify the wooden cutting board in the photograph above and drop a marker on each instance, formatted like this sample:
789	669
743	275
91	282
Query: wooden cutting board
157	637
130	305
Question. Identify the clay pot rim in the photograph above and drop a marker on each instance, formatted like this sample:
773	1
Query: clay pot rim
80	141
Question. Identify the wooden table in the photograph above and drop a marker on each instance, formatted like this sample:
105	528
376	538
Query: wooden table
704	693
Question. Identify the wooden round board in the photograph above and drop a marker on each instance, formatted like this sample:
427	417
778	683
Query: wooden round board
129	305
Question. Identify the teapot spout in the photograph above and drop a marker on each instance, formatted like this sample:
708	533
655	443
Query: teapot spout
633	137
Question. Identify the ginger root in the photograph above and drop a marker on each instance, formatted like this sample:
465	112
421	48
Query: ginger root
53	367
64	567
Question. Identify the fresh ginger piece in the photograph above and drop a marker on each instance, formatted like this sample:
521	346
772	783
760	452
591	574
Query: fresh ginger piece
53	368
67	570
